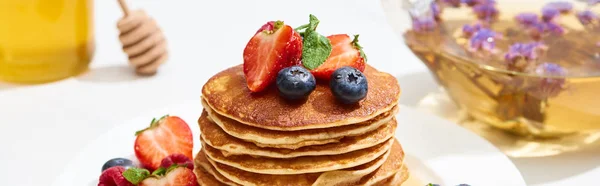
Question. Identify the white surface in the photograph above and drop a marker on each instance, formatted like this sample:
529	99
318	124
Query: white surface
44	126
431	154
574	168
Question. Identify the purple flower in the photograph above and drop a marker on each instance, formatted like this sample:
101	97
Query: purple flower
453	3
527	19
469	30
561	6
486	11
537	30
587	17
484	39
423	23
527	51
549	13
593	2
549	86
436	10
550	69
476	2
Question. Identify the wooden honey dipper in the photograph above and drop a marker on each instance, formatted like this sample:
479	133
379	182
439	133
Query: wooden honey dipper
142	40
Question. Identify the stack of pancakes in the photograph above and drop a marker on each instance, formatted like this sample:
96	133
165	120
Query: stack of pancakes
263	139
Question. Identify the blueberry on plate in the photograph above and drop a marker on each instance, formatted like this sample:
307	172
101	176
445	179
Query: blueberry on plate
295	83
348	85
125	163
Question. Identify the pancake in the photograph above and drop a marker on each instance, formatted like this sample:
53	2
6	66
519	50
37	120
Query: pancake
203	168
295	139
339	177
396	180
381	168
395	165
227	94
298	165
226	143
206	179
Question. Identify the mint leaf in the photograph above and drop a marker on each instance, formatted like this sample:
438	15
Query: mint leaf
316	48
135	175
301	27
360	48
160	171
173	167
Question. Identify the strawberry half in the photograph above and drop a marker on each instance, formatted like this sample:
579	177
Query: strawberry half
274	46
165	136
344	52
179	176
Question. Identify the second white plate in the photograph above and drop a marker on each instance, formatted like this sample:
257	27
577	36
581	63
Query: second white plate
436	151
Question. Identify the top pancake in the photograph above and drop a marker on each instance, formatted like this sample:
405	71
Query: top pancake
227	94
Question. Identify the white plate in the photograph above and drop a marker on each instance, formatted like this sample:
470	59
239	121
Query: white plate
436	151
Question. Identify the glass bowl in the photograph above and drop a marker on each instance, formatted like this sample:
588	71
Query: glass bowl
534	76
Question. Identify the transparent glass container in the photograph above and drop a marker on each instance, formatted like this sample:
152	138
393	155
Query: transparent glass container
540	114
45	40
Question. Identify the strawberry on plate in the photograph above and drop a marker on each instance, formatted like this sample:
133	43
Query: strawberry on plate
114	177
345	52
174	176
165	136
274	46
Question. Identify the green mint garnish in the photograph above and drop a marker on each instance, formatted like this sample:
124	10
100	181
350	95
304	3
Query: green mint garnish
174	166
160	171
360	48
136	175
316	47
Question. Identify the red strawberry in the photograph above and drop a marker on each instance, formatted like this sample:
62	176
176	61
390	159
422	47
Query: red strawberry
344	52
166	136
178	159
179	176
274	46
113	177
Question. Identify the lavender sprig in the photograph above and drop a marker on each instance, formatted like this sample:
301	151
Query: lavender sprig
436	10
453	3
587	17
536	31
423	24
549	13
469	30
486	11
521	55
476	2
561	6
484	39
551	86
527	19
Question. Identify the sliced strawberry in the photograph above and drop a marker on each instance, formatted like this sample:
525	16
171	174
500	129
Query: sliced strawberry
179	176
166	136
345	52
274	46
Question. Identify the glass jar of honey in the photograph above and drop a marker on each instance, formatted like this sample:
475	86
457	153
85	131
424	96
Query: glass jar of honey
45	40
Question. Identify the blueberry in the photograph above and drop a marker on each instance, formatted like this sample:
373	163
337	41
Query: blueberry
295	82
125	163
349	85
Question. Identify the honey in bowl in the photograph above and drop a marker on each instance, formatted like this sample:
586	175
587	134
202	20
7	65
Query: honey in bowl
520	67
45	40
